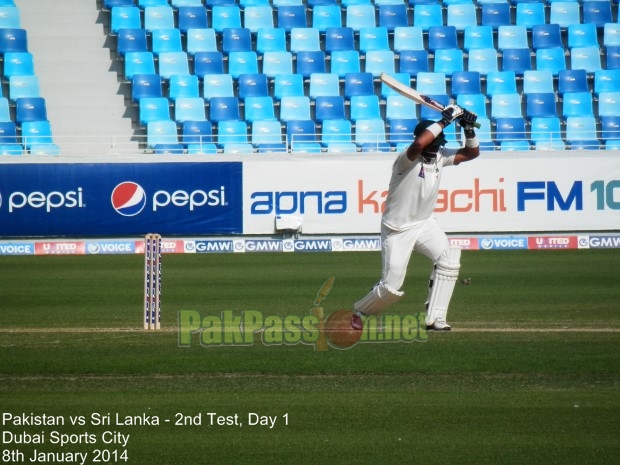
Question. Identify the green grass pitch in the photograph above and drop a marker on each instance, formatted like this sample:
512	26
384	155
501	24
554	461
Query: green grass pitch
529	375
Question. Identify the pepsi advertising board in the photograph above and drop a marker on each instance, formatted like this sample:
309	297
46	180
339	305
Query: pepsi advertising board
80	199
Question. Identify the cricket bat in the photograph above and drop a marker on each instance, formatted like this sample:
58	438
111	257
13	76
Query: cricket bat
413	94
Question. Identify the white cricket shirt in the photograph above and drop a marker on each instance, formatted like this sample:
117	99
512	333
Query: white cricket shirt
413	190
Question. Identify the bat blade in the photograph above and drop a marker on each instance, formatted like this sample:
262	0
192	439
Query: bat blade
413	94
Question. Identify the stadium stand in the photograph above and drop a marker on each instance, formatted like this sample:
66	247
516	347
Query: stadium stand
548	62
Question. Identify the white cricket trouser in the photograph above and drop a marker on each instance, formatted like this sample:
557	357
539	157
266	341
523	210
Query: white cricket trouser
426	238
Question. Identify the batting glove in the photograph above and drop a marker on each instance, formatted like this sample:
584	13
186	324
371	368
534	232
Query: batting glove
450	114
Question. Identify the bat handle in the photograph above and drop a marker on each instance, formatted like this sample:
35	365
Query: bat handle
475	124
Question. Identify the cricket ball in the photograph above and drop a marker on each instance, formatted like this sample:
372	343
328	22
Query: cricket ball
344	328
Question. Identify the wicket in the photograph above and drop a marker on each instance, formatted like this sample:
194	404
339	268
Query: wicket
152	281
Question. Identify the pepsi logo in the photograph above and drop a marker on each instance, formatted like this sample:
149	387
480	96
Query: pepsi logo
128	198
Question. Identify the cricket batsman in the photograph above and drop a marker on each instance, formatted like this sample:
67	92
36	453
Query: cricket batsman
408	223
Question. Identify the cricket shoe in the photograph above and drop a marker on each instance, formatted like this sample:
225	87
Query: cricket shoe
438	325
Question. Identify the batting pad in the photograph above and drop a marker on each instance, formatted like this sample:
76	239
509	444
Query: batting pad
377	300
441	284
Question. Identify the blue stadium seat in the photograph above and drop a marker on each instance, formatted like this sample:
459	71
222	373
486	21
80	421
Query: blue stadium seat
189	109
270	40
145	85
231	132
36	132
8	133
477	37
573	80
392	15
371	132
610	128
290	16
506	105
336	131
358	17
501	82
208	63
582	35
148	3
611	34
612	56
398	107
252	85
373	38
408	38
267	133
256	17
413	62
196	132
192	17
259	109
495	14
537	81
530	14
466	82
242	63
225	16
131	40
30	109
540	105
386	91
166	40
224	109
581	132
379	61
136	63
448	61
170	63
153	109
546	36
609	104
168	149
161	132
606	80
183	85
431	83
440	37
545	130
5	112
107	5
427	15
238	147
341	147
588	58
509	129
577	104
564	13
301	131
295	108
304	39
275	63
158	17
18	64
323	84
551	59
124	17
512	36
329	107
364	107
475	103
288	85
482	60
517	60
345	61
236	39
358	84
401	130
461	15
217	85
326	16
24	86
272	148
597	13
339	38
308	63
200	40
